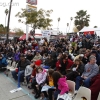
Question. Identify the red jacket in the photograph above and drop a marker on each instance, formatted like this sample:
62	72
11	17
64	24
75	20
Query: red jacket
95	87
70	63
34	72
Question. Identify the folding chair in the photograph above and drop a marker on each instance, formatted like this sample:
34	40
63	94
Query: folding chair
83	94
98	97
71	85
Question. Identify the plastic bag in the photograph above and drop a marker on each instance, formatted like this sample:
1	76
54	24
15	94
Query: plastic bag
65	96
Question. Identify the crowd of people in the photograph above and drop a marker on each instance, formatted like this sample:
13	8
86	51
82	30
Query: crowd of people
53	63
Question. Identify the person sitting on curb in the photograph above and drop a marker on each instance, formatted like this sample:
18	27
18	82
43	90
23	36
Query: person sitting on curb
20	68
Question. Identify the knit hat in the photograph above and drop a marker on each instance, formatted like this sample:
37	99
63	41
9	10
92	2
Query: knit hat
38	62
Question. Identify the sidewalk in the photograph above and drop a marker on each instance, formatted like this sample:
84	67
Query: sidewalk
7	84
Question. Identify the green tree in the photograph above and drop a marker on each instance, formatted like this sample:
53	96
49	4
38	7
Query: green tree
6	13
81	19
1	25
18	31
37	19
2	29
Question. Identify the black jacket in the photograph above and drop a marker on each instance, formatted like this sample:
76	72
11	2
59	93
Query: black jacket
80	68
22	65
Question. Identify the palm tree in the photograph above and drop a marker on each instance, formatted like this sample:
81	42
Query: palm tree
58	24
71	18
58	21
67	27
9	19
6	13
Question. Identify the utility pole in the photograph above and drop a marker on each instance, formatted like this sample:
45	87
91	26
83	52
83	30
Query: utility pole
9	19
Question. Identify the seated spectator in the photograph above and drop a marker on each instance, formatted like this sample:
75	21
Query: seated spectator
90	70
79	56
85	58
45	56
76	70
28	72
29	55
49	62
37	56
21	67
3	61
60	84
59	57
96	54
49	93
17	56
64	64
33	75
40	81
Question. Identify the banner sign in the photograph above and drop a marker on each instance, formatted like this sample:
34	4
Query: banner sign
32	2
46	33
31	7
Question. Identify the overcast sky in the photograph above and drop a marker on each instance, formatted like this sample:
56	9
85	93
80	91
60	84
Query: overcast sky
61	8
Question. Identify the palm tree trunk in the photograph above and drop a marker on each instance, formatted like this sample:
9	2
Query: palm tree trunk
69	26
9	20
5	23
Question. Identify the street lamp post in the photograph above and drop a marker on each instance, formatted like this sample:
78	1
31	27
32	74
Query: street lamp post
9	19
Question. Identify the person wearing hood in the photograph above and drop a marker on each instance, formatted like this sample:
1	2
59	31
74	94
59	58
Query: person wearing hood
97	55
60	84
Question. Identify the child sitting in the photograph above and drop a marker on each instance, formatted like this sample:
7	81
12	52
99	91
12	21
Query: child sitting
40	81
49	93
45	56
60	84
33	74
28	72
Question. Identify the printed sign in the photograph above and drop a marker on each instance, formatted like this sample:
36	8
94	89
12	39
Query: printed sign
30	7
32	2
46	33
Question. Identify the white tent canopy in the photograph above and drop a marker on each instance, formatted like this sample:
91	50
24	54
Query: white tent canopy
86	29
89	29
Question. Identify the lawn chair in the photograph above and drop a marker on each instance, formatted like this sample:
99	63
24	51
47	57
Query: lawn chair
71	85
98	97
83	94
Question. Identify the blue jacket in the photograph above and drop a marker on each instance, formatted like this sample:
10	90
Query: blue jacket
3	61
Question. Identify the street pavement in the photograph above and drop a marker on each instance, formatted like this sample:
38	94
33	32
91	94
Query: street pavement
7	84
